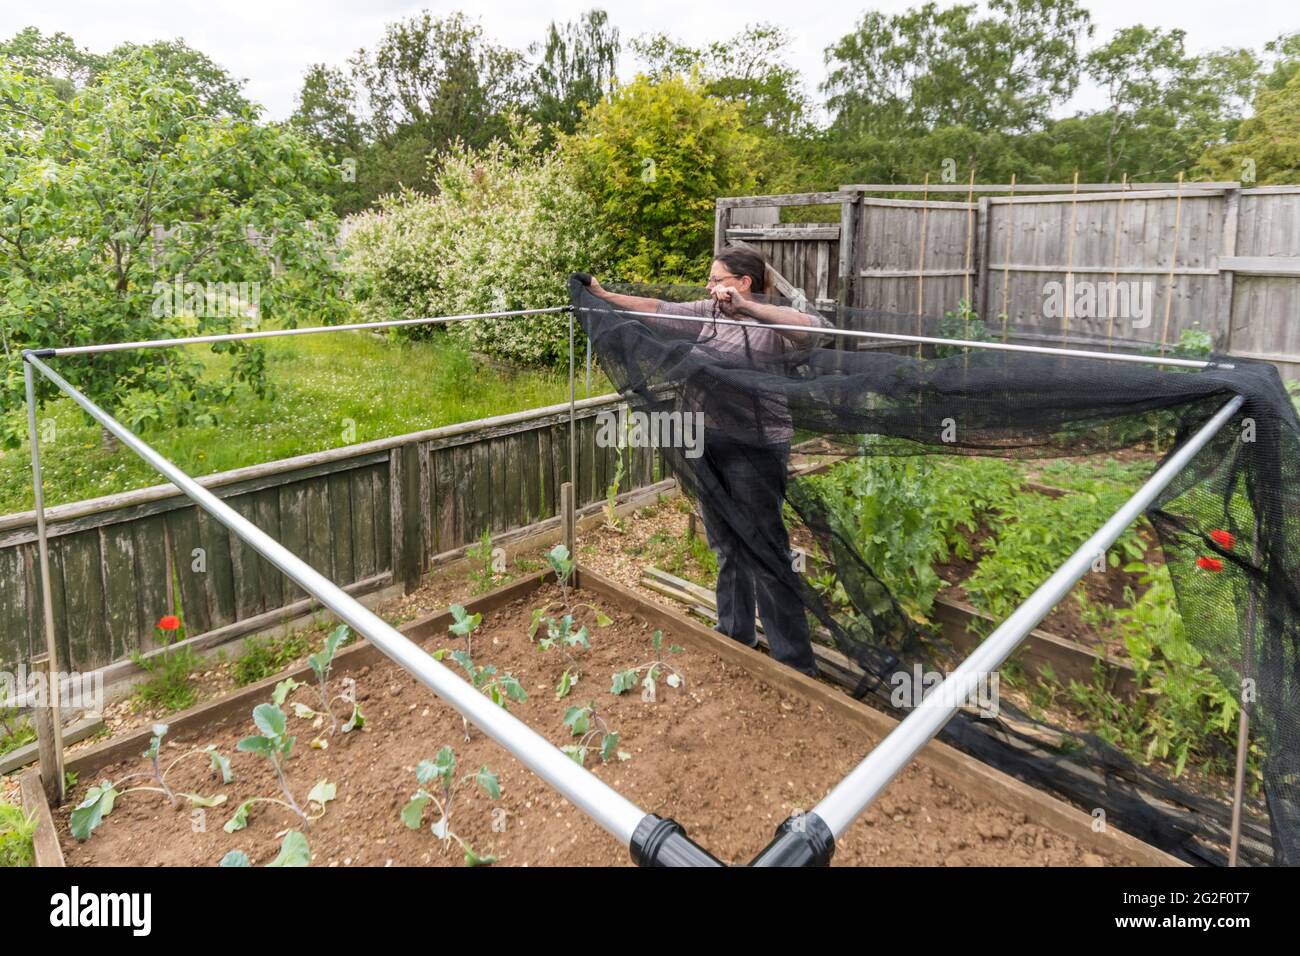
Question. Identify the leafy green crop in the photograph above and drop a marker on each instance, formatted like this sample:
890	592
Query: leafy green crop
439	775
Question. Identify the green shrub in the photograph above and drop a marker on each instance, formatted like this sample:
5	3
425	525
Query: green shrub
653	158
503	232
264	657
16	831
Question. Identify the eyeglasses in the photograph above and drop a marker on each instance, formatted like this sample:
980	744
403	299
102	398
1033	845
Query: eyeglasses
714	280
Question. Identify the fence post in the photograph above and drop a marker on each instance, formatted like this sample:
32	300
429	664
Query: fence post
404	485
1231	202
721	223
981	295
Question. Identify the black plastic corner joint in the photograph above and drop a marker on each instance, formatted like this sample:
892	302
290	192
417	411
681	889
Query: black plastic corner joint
662	842
802	840
38	353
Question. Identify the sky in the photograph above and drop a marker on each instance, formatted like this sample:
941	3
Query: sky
271	43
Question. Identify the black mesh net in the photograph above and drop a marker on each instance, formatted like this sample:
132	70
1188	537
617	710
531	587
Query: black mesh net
1228	525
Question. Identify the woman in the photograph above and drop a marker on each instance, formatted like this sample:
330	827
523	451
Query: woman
741	475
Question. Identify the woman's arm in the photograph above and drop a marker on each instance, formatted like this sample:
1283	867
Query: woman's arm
774	315
630	303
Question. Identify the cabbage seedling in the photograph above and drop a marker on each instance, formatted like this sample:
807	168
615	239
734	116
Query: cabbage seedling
101	798
588	726
275	744
625	680
440	774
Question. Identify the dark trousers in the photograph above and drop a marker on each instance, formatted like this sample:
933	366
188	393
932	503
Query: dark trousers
742	492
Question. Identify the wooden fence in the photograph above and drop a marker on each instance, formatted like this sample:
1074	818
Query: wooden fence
366	516
1210	256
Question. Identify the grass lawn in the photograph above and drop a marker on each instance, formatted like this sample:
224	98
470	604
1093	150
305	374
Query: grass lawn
329	390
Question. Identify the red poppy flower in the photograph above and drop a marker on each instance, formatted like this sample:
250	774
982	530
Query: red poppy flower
169	622
1224	539
1209	564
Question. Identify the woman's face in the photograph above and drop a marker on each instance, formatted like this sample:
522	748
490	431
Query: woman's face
719	275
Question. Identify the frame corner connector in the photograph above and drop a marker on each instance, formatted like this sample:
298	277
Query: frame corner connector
803	839
658	841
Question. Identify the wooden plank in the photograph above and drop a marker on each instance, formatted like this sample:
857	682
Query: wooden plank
530	476
443	499
500	506
151	571
246	563
293	529
16	604
1288	266
784	233
364	547
187	537
45	841
265	513
339	493
218	553
789	199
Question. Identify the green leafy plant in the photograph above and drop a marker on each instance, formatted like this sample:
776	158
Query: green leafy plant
103	796
321	663
276	744
589	727
294	851
169	685
263	658
483	575
439	774
610	510
564	633
501	688
625	680
16	832
15	731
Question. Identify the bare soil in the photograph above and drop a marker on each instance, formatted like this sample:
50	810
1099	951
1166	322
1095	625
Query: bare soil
726	755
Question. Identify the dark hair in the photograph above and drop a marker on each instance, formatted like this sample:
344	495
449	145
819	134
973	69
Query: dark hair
745	262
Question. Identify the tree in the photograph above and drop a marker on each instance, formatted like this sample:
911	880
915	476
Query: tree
1163	106
928	68
575	70
653	157
749	69
1266	147
57	58
123	208
217	92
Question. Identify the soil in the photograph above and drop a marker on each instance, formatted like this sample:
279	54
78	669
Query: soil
725	754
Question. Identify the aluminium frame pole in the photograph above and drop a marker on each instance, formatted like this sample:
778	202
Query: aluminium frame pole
868	779
50	723
280	333
934	340
606	806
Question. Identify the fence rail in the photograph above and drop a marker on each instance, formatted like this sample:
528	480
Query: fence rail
366	516
1210	256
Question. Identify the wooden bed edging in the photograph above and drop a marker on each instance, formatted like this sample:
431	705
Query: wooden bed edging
962	771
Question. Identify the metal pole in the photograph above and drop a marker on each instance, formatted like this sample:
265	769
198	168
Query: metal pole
1243	715
573	441
610	809
280	333
49	723
865	782
932	340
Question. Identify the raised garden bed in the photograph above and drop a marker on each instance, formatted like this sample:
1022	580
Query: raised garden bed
731	753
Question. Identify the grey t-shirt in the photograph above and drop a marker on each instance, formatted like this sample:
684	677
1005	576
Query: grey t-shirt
765	417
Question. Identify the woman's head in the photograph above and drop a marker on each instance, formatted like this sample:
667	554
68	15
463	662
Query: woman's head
742	269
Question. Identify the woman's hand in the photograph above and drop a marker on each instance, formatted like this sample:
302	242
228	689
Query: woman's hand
729	300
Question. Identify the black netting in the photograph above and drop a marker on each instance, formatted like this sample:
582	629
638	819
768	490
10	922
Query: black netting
1237	592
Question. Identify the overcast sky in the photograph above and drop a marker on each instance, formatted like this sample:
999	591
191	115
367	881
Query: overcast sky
272	42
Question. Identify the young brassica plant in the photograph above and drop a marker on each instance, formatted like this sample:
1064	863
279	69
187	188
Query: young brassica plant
440	774
588	726
625	680
321	664
276	744
101	798
565	633
294	851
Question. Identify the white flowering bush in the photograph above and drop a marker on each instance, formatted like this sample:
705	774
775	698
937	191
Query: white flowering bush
504	230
